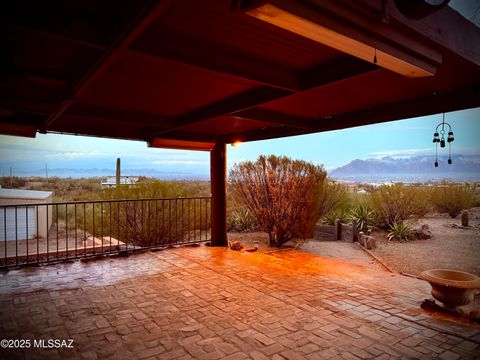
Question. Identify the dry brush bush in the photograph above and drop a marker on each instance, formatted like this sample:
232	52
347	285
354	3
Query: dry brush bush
154	222
282	193
453	198
333	198
393	203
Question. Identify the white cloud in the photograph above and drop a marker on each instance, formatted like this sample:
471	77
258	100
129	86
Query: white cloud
180	162
400	153
417	152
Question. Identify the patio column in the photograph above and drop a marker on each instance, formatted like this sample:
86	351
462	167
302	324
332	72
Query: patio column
218	178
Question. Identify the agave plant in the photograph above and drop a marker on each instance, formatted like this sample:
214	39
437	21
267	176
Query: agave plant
364	215
399	231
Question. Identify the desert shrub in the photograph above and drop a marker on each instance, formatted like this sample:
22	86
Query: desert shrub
282	193
393	203
340	214
335	202
452	198
420	201
13	182
364	215
241	220
152	222
332	198
399	231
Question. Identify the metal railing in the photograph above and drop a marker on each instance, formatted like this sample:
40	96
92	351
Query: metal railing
42	233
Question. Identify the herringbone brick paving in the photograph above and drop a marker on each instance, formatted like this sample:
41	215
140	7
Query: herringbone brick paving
214	303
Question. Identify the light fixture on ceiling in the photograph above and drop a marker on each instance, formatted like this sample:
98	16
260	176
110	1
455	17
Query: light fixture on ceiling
385	56
181	144
439	138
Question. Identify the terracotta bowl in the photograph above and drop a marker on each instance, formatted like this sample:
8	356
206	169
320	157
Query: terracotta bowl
450	287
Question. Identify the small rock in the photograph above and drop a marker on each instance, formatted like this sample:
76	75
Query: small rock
423	232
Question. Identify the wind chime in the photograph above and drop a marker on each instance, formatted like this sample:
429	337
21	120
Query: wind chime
439	138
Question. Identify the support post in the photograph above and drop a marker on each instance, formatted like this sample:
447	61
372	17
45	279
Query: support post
218	178
355	230
338	229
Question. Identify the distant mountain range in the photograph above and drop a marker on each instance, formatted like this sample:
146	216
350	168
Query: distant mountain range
464	167
386	169
96	172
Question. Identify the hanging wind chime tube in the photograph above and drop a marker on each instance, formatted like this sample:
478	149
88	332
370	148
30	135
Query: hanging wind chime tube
441	140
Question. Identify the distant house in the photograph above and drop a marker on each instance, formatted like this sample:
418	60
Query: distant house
111	181
19	222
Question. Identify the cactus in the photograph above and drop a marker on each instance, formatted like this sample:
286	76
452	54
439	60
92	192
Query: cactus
465	218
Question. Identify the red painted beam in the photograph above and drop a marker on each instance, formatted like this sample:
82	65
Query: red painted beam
218	179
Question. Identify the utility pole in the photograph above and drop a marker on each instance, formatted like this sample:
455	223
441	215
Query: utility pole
117	183
11	177
46	171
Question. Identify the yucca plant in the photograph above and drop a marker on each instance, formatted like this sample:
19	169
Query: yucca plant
364	215
241	220
399	231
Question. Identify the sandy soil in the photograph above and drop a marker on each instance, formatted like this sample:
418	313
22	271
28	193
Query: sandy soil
450	246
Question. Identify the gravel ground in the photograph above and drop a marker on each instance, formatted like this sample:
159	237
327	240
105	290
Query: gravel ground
450	246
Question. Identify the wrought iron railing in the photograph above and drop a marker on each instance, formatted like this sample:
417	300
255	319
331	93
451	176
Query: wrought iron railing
41	233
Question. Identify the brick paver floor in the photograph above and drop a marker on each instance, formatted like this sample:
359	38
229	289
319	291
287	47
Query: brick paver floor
214	303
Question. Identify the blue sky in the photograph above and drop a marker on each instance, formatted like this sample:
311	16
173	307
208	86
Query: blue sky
332	149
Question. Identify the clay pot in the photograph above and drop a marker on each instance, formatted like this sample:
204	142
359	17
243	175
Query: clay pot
450	287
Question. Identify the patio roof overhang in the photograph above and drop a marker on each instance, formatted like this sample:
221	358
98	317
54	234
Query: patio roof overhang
198	71
200	74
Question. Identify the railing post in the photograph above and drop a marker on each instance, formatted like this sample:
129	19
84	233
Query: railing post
218	178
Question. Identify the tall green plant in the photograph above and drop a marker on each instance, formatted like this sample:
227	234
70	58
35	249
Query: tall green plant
452	199
364	215
333	198
282	193
393	203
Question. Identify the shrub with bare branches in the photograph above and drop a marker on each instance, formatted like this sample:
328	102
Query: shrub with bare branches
453	198
282	193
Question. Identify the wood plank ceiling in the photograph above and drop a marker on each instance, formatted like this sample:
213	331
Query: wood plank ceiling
197	71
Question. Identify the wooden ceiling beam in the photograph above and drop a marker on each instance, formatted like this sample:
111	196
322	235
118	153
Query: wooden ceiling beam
265	134
237	102
399	50
187	49
93	112
16	129
50	35
241	105
444	27
275	118
340	69
421	106
141	22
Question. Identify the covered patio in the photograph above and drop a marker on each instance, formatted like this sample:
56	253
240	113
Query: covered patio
200	75
213	303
